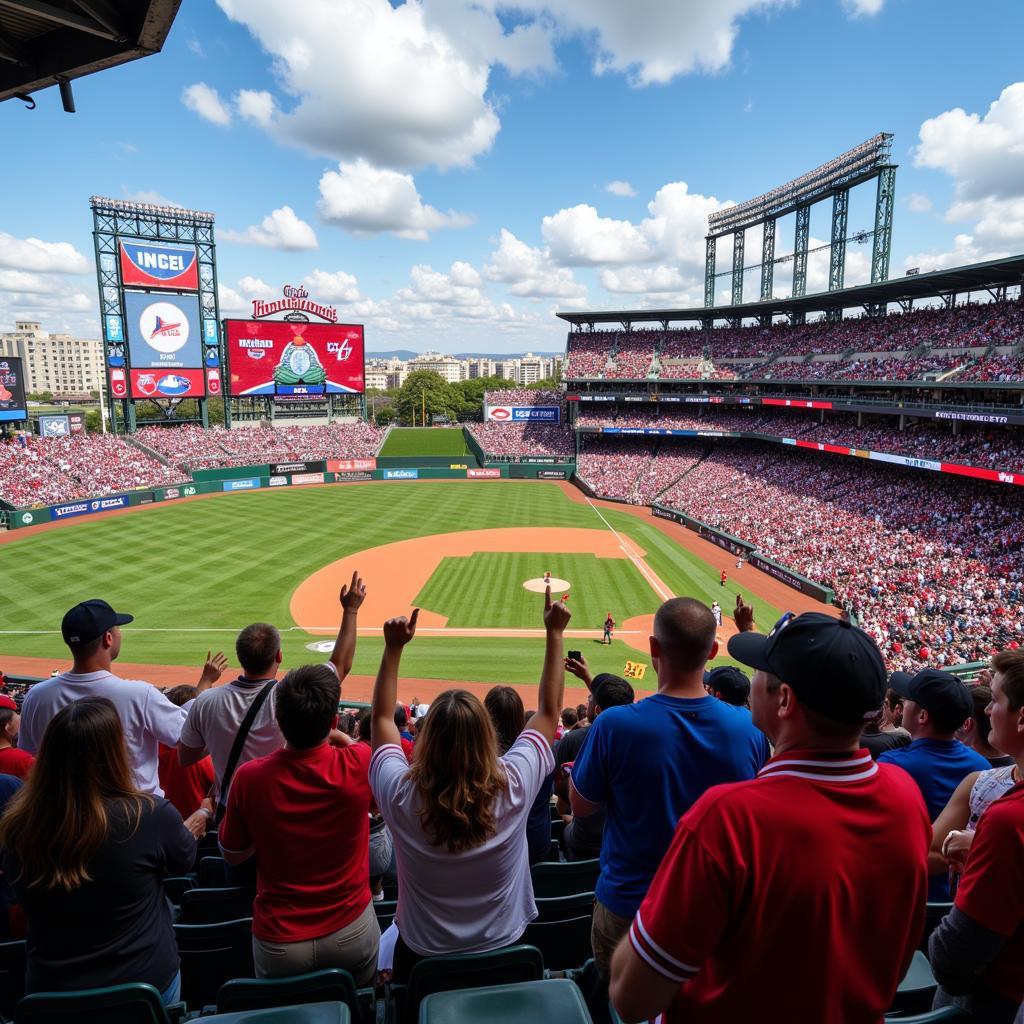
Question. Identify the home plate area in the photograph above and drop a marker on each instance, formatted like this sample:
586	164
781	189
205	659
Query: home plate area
538	586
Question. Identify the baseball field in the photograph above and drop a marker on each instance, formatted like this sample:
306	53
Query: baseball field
471	554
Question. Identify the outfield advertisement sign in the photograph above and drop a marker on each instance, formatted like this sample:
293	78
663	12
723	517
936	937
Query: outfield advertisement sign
791	578
278	481
551	474
296	467
350	465
170	493
401	474
483	474
291	360
241	484
88	507
352	477
153	265
524	414
54	426
308	478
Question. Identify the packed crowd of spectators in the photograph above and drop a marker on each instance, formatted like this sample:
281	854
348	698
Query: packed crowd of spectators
975	326
631	469
900	369
525	396
185	444
292	443
505	440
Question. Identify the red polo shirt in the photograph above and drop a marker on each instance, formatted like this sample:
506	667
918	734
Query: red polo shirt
767	900
15	762
184	787
990	891
307	814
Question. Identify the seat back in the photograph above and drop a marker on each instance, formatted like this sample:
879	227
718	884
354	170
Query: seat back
509	966
12	975
212	954
947	1015
116	1004
917	988
563	944
175	885
206	906
555	1000
933	914
330	985
212	873
564	879
561	908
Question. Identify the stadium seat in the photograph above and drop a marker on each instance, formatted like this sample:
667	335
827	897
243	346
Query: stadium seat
175	885
562	908
947	1015
212	873
330	985
554	854
304	1013
212	954
917	989
385	911
555	816
207	846
115	1004
552	1000
12	975
933	914
557	828
564	944
564	878
207	906
509	966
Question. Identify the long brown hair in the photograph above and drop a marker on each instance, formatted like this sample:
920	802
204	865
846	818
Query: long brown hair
456	771
57	821
505	707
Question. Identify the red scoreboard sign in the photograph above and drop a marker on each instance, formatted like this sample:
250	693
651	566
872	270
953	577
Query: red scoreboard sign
286	358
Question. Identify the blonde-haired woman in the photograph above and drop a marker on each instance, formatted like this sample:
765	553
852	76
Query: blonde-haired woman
458	812
86	853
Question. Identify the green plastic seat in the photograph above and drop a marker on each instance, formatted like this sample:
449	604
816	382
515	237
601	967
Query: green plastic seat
116	1004
562	908
330	985
212	954
175	885
947	1015
207	906
564	878
509	966
12	975
565	945
554	1000
303	1013
933	914
212	873
917	989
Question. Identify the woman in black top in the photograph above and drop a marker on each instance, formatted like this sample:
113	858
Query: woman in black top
86	853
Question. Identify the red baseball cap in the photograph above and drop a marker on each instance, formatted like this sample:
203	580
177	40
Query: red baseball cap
7	702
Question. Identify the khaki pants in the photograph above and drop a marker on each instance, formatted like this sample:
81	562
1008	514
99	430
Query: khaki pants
605	932
353	947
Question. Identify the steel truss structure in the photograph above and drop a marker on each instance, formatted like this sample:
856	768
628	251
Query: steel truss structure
117	219
871	160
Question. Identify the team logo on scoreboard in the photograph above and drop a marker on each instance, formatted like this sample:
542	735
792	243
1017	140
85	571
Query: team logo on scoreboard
159	266
164	327
299	363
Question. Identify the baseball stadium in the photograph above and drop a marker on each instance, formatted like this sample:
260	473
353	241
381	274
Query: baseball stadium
346	685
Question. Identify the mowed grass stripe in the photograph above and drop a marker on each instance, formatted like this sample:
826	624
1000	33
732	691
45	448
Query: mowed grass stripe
223	562
425	441
486	589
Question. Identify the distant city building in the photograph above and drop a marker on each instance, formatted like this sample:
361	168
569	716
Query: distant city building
453	370
523	371
55	362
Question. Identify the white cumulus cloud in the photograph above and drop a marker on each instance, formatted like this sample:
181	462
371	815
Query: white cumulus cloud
863	8
205	101
530	272
44	257
255	288
280	229
336	287
256	106
369	200
917	202
620	188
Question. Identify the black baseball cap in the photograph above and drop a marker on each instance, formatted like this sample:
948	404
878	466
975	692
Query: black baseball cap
90	619
939	693
834	668
730	682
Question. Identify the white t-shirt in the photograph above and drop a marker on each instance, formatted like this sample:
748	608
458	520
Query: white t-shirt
147	716
215	716
475	900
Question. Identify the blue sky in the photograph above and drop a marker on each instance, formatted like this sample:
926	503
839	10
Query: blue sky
450	175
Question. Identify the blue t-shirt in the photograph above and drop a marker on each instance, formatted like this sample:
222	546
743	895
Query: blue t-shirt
647	763
938	767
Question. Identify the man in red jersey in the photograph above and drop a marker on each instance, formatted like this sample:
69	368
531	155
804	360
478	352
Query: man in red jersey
763	907
977	951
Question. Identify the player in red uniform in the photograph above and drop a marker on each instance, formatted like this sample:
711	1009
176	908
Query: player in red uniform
723	577
762	908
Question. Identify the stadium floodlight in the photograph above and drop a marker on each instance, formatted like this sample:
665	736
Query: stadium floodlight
128	208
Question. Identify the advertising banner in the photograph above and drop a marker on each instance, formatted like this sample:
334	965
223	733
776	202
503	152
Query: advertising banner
296	467
31	518
791	578
308	478
157	384
157	265
278	481
538	459
87	507
241	484
146	498
12	390
352	477
77	421
483	474
551	474
401	474
53	426
288	359
163	331
524	413
170	493
350	465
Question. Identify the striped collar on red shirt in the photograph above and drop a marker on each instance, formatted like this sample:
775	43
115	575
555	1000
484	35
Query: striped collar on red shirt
819	766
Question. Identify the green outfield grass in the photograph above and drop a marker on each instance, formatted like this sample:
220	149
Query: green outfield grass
486	589
196	572
425	441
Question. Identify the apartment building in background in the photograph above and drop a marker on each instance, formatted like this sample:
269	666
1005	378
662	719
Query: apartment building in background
57	363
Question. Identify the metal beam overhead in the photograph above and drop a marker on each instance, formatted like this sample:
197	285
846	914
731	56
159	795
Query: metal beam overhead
800	243
737	267
61	16
837	250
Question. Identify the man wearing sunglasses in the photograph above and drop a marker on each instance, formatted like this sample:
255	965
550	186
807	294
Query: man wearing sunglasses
778	873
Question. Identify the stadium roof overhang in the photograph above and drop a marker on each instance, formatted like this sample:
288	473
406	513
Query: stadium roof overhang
977	277
53	42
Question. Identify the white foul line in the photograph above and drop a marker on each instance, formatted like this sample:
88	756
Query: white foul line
635	559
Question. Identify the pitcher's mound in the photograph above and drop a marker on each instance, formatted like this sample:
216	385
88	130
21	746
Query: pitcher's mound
538	586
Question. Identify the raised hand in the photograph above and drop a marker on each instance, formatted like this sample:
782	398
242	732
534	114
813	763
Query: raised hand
579	668
398	632
353	594
213	667
744	616
557	615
